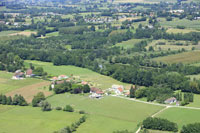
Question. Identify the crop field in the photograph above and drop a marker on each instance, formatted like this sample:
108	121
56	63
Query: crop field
23	33
98	80
181	116
181	30
186	57
195	24
129	43
142	1
168	44
109	113
7	84
33	120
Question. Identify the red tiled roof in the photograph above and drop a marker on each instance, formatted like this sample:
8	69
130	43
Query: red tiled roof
120	89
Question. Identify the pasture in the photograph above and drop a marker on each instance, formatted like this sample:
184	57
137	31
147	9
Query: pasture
119	114
97	80
196	102
175	31
27	87
186	58
129	43
142	1
181	116
165	45
33	120
195	24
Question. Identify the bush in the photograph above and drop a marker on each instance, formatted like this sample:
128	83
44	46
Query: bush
68	108
81	112
159	124
37	99
58	108
46	106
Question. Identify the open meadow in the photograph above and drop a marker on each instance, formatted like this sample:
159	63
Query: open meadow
33	120
129	43
97	80
181	116
109	113
27	87
186	58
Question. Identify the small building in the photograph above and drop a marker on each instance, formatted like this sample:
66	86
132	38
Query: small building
171	100
54	79
18	75
84	83
61	77
96	93
29	73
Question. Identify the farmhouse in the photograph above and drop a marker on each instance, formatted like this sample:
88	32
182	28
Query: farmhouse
29	73
61	77
96	93
18	75
118	89
171	100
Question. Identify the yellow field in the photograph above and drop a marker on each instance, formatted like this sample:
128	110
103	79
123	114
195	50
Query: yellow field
24	33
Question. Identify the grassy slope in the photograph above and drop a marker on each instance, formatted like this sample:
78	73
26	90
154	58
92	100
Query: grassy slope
33	120
118	113
7	84
181	116
196	102
97	80
186	57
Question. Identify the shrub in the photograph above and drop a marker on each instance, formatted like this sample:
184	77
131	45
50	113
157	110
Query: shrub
58	108
191	128
81	112
68	108
46	106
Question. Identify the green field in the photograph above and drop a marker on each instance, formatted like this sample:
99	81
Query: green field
94	78
118	113
186	57
196	102
142	1
170	44
129	43
6	33
174	30
33	120
181	116
7	84
195	24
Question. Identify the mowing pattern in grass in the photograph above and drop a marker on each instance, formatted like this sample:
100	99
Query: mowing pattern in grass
109	113
181	116
7	84
96	79
187	57
33	120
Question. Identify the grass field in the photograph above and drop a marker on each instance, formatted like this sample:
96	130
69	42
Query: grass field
109	113
6	33
195	24
7	84
94	78
142	1
129	43
196	102
169	44
186	57
174	30
33	120
181	116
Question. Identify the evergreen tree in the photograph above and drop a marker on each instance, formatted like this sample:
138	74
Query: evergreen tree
132	92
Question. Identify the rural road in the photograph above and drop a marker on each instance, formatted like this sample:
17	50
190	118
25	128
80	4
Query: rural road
164	105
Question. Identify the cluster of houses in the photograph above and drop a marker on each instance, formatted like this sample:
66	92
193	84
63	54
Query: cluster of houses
18	75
